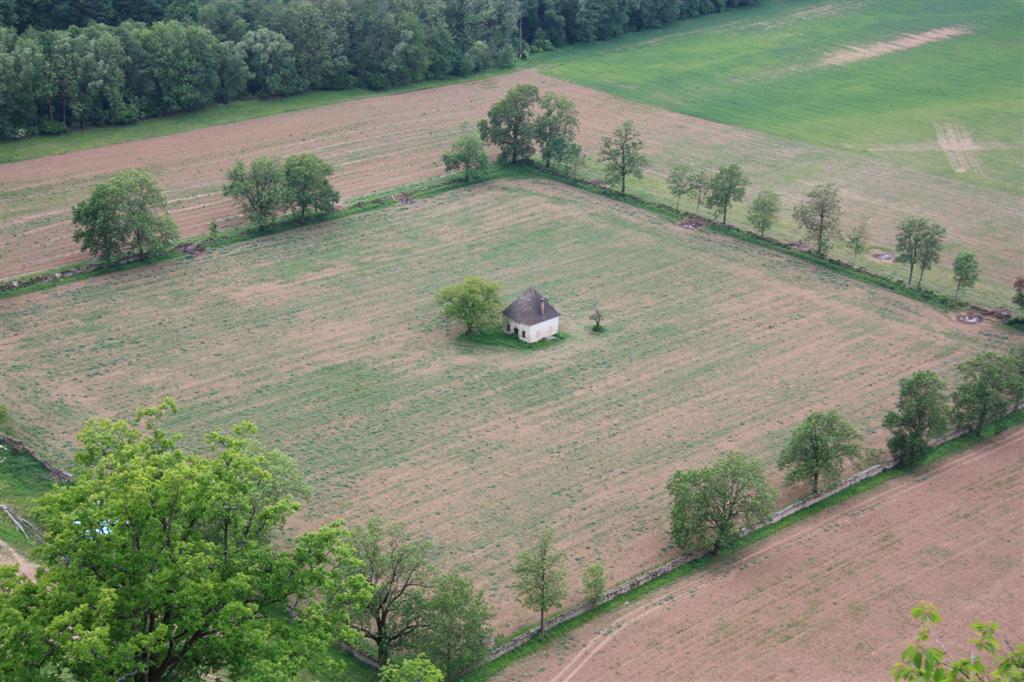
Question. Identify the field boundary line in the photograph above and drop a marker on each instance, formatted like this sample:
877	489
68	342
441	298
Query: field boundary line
952	443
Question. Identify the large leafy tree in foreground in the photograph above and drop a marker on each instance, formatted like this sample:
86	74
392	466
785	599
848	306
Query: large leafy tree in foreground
124	215
510	123
711	506
921	414
475	302
158	565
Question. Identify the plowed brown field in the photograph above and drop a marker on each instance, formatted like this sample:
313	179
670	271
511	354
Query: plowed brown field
328	338
382	142
829	598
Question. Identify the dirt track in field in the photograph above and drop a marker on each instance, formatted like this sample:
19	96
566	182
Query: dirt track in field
907	41
382	142
829	598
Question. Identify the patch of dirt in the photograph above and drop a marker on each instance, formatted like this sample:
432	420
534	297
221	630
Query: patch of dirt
692	223
855	53
883	256
828	598
970	318
8	555
955	140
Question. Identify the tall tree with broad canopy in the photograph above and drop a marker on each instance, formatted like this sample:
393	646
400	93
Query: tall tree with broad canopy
307	184
467	155
258	189
622	155
400	571
126	214
510	123
989	384
540	577
728	186
455	633
476	302
966	271
712	505
555	127
819	216
921	414
159	565
764	211
818	449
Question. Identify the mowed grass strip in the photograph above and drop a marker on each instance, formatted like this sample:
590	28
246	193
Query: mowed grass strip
767	69
328	338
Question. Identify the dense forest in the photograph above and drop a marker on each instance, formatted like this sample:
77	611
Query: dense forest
71	64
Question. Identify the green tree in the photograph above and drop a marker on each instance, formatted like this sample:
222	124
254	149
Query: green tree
989	384
259	189
1018	291
857	240
540	578
622	155
678	183
700	186
764	211
819	216
127	213
400	570
555	127
593	582
921	414
159	565
920	662
818	449
307	184
966	270
468	155
271	61
919	242
455	633
510	123
712	505
475	302
419	669
728	186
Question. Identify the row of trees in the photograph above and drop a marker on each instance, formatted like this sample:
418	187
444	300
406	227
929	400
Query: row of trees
712	506
150	58
126	216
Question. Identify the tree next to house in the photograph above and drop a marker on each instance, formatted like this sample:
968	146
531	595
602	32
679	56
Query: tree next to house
476	302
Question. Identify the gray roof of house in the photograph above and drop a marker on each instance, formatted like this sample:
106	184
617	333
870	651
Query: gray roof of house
527	308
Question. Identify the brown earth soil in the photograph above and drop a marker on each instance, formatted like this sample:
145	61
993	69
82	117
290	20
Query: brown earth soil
382	142
329	339
829	598
8	555
907	41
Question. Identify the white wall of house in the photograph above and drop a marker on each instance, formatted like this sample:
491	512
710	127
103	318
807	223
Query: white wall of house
531	333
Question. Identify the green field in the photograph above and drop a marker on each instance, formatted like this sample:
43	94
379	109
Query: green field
760	69
327	337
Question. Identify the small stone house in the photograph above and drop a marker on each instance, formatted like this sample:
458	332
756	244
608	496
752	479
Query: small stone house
531	317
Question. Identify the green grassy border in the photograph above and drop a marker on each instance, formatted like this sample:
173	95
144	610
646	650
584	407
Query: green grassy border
498	337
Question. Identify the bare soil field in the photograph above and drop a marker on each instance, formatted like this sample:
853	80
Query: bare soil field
327	337
382	142
828	599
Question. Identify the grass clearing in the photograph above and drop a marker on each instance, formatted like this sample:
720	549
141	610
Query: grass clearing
327	337
768	69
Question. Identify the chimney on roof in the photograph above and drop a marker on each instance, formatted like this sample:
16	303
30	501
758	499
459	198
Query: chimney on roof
542	302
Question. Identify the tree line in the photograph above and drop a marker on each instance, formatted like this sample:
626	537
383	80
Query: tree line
102	62
712	506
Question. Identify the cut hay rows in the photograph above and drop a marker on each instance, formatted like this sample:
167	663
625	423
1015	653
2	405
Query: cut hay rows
327	338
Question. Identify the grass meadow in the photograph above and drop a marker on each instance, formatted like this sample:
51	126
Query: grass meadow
763	69
327	338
